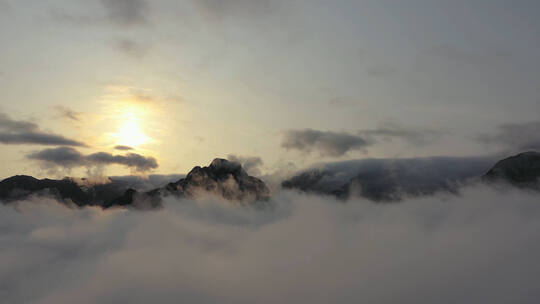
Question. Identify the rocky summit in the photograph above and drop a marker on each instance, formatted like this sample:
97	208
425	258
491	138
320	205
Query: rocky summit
222	178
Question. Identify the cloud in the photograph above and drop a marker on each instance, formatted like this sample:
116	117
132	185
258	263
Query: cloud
390	179
127	12
515	136
308	249
64	156
123	148
6	123
132	160
327	143
65	112
23	132
37	139
68	157
335	144
251	164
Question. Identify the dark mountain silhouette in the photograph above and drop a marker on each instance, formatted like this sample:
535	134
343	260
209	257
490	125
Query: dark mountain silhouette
21	186
521	170
221	178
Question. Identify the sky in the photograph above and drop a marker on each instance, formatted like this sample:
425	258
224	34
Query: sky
123	87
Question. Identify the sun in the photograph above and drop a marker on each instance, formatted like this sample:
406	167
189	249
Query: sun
130	133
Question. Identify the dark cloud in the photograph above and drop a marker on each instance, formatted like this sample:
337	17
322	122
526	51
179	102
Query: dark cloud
6	123
132	160
37	139
23	132
130	47
251	164
336	144
127	12
65	156
122	148
68	113
515	136
479	247
327	143
69	157
390	179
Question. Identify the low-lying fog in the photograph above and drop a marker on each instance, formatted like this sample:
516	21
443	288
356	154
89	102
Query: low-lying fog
482	246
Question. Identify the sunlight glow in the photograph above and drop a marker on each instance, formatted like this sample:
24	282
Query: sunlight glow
130	133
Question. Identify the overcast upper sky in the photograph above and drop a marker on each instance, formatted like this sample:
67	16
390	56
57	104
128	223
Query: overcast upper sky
135	85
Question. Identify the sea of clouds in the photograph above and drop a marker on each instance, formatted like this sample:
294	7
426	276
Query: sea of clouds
481	246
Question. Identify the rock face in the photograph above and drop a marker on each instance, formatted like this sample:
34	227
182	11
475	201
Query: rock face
221	178
522	170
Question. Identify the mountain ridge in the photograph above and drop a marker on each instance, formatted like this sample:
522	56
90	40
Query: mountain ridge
377	180
222	178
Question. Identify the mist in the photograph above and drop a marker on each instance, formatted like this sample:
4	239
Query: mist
480	246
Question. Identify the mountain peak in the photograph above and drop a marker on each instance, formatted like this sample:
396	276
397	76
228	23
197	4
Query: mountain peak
220	165
223	178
